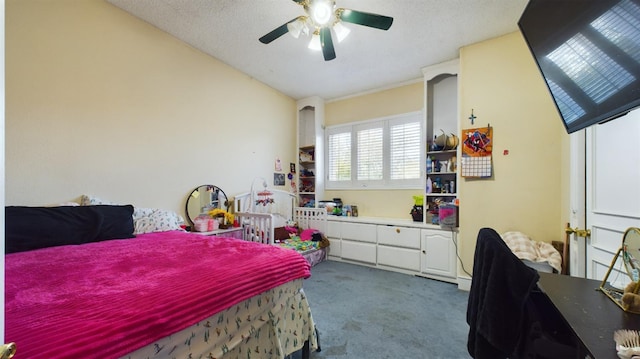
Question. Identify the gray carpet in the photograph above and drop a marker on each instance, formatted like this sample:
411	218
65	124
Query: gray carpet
364	312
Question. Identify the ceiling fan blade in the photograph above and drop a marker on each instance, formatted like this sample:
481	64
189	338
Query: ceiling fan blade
364	18
276	33
326	41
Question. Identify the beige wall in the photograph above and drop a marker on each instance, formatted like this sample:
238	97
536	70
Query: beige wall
403	99
101	103
501	82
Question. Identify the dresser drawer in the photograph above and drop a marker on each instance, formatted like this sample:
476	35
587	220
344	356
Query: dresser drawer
359	251
399	236
333	229
335	247
399	257
359	232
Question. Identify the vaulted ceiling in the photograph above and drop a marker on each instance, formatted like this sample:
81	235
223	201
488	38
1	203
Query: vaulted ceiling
424	32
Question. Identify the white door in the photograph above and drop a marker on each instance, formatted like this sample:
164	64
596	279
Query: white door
612	193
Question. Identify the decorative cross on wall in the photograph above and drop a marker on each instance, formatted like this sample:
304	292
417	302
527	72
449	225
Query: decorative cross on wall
472	117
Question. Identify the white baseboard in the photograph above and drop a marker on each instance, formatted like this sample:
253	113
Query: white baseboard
464	283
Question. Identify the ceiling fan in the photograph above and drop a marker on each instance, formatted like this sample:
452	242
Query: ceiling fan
321	17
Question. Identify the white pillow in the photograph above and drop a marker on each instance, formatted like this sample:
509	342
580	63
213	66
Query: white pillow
69	204
148	220
93	201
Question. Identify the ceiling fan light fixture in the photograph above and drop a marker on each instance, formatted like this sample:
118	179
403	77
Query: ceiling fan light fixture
341	31
297	27
324	21
321	11
315	44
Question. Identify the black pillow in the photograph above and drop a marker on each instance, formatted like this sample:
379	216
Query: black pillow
29	228
117	222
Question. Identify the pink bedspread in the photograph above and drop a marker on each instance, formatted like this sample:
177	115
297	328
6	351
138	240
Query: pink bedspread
106	299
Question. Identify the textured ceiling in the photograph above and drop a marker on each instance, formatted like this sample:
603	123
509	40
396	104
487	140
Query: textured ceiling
424	32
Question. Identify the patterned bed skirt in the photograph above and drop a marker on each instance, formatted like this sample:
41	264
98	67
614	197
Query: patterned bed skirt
272	324
315	256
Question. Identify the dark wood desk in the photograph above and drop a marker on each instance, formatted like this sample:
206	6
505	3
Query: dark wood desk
590	314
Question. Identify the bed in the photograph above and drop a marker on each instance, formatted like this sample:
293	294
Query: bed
80	283
268	216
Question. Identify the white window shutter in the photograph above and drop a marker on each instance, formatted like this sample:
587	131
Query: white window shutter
370	155
382	153
339	156
404	151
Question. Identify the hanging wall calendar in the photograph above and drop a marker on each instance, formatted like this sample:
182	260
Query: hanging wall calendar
477	144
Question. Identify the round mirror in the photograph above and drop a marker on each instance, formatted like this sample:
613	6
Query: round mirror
631	252
205	198
615	284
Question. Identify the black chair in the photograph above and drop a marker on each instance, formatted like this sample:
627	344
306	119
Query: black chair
506	311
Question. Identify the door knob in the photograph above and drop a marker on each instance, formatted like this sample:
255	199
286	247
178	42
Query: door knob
7	351
578	232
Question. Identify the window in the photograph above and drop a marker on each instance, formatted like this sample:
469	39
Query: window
382	153
339	156
405	151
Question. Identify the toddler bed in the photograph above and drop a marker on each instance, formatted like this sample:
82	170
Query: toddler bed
80	283
267	217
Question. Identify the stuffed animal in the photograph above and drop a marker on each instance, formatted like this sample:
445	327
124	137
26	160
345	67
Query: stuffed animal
631	298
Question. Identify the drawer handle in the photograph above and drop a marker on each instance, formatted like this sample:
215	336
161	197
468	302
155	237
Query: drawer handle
397	230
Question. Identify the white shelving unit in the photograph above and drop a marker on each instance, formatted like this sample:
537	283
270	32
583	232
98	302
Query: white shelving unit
443	183
441	111
310	171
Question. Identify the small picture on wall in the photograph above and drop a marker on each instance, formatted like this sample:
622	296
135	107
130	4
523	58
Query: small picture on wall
292	167
278	179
